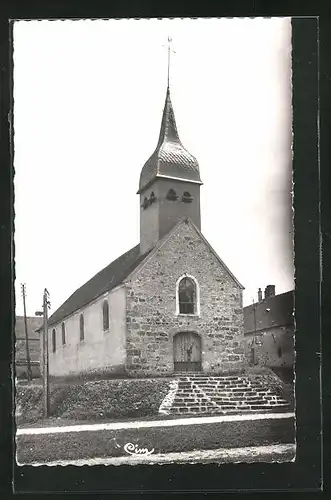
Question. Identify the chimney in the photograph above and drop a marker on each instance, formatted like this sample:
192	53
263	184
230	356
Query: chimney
269	291
259	295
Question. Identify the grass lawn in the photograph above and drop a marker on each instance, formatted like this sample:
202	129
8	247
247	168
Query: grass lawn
110	443
95	400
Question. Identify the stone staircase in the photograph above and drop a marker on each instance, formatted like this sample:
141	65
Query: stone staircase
201	394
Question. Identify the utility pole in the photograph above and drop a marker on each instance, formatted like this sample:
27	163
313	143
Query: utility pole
27	351
254	339
44	313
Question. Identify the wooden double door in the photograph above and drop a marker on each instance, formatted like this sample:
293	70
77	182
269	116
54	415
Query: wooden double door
187	352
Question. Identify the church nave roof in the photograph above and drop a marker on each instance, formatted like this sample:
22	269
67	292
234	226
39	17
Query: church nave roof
107	279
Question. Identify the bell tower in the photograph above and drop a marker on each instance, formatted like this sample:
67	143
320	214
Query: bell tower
169	186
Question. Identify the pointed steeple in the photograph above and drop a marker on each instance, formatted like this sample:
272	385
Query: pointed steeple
168	131
169	186
170	159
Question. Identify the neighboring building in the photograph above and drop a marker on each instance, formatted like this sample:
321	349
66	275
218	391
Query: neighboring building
33	323
168	304
269	329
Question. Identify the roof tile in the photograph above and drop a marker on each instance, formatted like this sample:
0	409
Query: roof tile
170	158
107	279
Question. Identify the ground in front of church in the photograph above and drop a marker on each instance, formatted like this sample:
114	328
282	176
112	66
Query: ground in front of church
221	439
155	420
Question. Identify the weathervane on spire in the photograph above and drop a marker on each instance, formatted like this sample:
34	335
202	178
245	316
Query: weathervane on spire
169	53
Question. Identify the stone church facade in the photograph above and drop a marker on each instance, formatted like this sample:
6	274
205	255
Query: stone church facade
156	328
167	305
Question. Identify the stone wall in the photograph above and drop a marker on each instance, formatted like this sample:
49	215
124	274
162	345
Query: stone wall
275	347
152	321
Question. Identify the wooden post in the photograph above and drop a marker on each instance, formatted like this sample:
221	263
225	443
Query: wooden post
27	351
45	356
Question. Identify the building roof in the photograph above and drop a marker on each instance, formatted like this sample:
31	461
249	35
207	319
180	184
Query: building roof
33	323
271	312
186	220
104	281
115	273
170	158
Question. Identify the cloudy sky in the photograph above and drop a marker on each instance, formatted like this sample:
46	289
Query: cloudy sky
88	100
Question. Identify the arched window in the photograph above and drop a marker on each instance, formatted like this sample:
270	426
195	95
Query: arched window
280	352
81	328
53	340
152	198
105	315
171	195
187	295
63	334
187	198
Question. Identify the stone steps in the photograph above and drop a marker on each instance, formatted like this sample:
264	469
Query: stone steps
226	410
198	394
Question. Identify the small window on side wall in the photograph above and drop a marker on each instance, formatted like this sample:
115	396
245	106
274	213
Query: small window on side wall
81	328
105	315
53	340
63	334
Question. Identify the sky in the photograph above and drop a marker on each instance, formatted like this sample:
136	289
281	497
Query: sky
88	101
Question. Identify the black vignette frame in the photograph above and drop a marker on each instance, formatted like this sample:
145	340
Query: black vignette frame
305	473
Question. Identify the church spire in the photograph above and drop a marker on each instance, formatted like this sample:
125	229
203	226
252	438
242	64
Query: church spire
169	53
168	130
170	159
169	185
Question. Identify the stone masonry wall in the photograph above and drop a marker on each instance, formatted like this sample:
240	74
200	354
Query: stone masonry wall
274	349
152	321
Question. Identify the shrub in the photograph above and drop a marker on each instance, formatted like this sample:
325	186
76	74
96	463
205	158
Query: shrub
28	403
113	399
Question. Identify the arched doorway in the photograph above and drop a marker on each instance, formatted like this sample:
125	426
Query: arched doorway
187	352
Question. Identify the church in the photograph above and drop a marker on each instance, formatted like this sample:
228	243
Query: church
168	305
